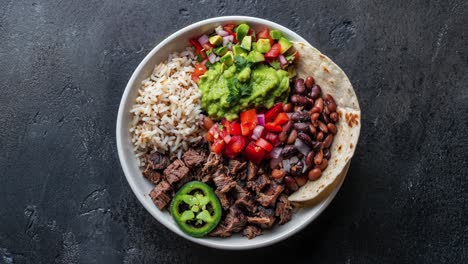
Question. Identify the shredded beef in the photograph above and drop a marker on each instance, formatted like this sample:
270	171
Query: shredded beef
176	172
193	159
236	167
161	194
234	222
157	161
251	231
264	217
251	170
223	182
152	175
212	163
258	184
247	202
283	209
268	198
223	199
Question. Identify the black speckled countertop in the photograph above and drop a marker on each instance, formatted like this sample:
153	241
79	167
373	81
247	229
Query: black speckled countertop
64	66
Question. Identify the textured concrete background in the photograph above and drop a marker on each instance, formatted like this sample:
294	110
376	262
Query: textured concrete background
64	66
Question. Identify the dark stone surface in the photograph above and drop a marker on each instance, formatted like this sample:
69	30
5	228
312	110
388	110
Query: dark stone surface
64	66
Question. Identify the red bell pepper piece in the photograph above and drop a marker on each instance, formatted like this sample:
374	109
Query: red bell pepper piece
254	153
226	125
273	138
272	127
264	144
273	112
281	119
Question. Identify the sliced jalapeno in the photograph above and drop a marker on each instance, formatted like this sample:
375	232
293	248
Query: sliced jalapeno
196	209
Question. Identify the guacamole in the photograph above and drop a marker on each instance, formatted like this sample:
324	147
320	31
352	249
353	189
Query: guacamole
228	90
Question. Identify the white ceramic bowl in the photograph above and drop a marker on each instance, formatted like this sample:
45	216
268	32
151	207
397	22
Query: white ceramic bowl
141	187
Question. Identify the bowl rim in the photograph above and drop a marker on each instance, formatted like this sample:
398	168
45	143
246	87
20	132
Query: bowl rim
125	167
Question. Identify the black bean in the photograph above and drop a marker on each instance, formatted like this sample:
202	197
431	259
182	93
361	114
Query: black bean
314	174
296	170
292	137
317	145
299	87
285	133
309	82
310	158
328	141
287	108
298	99
327	154
303	127
325	118
300	116
320	136
291	183
322	127
330	102
318	157
315	91
334	117
332	128
288	151
304	137
323	165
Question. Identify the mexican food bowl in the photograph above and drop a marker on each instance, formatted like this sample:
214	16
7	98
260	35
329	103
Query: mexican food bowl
275	186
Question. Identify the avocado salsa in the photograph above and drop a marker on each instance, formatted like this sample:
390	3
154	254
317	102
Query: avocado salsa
239	69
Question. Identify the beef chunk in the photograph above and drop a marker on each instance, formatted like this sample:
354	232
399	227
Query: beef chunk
251	231
264	217
161	194
157	161
283	209
175	172
252	170
234	222
223	182
268	198
223	199
193	159
152	175
257	185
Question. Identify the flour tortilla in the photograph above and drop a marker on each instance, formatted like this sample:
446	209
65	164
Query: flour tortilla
333	81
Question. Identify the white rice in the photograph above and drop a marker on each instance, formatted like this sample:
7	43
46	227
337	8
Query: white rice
166	114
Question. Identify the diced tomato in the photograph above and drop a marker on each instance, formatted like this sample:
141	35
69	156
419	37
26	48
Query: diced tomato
249	118
229	28
253	34
254	153
273	138
200	69
226	125
227	139
265	34
218	146
236	129
234	147
207	46
281	119
209	137
196	44
264	144
245	130
274	52
296	55
271	114
272	127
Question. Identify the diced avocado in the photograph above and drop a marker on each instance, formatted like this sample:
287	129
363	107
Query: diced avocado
227	58
285	44
263	45
255	56
247	43
254	45
275	34
241	31
216	40
238	50
220	51
244	75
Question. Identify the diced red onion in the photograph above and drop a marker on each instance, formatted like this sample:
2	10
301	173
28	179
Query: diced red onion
219	30
212	57
290	115
261	119
204	61
257	132
282	59
274	162
302	147
276	152
203	39
229	46
227	139
217	58
228	39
